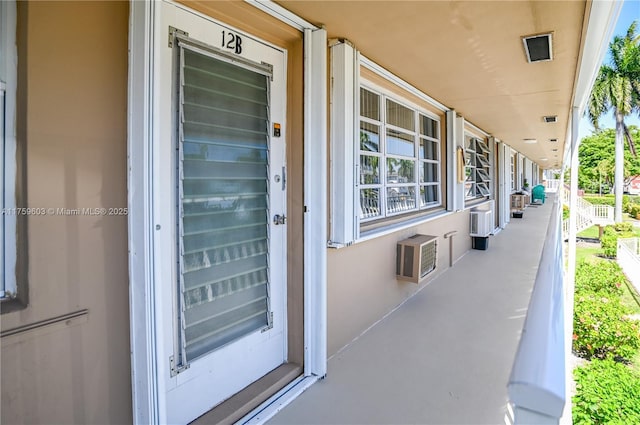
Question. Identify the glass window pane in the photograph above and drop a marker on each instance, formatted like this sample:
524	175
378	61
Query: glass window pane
400	143
400	199
481	161
370	203
400	116
470	159
469	190
369	169
482	175
428	127
428	172
483	190
428	195
428	149
469	143
400	171
223	209
369	104
369	137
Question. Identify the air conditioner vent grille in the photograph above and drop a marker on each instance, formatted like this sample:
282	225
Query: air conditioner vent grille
428	259
416	257
539	47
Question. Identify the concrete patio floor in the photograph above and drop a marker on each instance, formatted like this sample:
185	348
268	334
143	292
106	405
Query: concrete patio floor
444	357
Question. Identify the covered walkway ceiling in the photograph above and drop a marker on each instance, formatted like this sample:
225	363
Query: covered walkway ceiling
469	55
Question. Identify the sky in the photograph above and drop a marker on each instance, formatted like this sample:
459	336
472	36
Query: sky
630	12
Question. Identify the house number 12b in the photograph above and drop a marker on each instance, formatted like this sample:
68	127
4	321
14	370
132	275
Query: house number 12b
232	42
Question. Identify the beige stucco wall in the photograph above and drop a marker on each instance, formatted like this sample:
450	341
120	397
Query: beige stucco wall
362	287
73	65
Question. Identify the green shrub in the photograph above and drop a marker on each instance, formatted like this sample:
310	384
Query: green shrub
634	211
625	202
609	240
565	212
606	392
624	227
601	327
601	200
601	276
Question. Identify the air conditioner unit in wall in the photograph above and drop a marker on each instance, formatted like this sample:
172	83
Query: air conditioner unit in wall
481	223
416	257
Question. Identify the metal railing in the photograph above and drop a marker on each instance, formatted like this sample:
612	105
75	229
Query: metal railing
537	384
628	258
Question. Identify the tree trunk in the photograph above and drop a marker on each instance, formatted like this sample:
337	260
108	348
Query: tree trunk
619	170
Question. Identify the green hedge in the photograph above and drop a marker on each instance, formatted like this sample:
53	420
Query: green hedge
600	276
606	393
602	329
610	200
601	200
601	325
610	235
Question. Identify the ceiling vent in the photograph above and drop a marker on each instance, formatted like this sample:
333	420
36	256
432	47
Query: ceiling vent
550	118
538	47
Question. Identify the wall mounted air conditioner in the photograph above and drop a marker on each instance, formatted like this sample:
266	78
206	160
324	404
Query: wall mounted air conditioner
416	257
481	223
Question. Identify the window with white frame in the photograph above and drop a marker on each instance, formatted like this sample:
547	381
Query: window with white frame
513	172
477	168
399	151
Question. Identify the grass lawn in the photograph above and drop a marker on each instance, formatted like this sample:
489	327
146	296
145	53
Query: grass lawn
591	232
630	299
589	253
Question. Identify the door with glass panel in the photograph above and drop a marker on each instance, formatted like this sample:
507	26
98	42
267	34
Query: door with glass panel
224	284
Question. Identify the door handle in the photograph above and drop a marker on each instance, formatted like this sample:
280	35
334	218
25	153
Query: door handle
279	219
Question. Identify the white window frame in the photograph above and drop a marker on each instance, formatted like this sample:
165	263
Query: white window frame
490	164
512	165
8	86
383	154
345	223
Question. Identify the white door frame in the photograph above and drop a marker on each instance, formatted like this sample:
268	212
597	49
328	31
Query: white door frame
144	38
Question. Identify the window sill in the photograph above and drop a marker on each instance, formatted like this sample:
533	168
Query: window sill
383	230
477	202
8	305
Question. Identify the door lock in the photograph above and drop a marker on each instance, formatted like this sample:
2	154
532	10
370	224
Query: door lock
279	219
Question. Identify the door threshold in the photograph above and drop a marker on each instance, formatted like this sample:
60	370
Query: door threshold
278	401
244	402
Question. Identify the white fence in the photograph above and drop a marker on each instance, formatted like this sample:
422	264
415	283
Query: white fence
537	383
629	259
587	214
552	185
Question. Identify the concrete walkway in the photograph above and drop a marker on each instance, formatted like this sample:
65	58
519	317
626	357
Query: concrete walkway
445	356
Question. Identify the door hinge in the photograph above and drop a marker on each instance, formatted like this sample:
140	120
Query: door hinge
176	369
269	322
172	33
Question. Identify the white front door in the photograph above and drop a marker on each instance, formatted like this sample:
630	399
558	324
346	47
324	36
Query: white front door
219	202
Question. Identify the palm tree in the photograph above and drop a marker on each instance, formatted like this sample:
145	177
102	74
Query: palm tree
617	87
